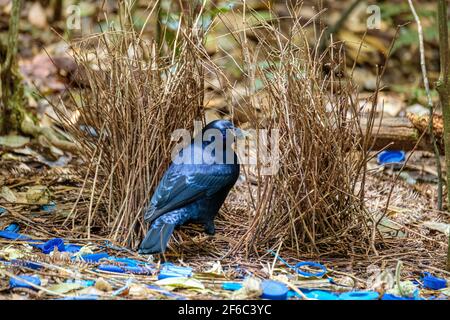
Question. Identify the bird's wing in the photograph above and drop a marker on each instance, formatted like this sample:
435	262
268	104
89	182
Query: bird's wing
181	187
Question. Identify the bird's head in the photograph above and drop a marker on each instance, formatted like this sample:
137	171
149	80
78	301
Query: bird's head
223	126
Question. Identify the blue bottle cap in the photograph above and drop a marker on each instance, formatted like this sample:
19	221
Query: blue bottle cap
274	290
391	157
433	283
232	286
359	295
321	295
17	283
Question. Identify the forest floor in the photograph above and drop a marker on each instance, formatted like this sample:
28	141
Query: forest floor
97	269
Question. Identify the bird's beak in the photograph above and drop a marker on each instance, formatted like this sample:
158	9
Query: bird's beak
240	134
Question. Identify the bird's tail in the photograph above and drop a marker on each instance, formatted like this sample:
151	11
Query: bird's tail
156	238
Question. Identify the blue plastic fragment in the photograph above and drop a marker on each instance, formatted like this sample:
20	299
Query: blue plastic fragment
13	227
321	295
170	270
94	257
110	268
232	286
72	248
433	283
318	274
138	270
84	283
17	283
27	264
50	207
391	157
127	261
359	295
2	211
50	245
13	235
389	296
274	290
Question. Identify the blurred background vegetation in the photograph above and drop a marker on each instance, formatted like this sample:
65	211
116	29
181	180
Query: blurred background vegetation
44	25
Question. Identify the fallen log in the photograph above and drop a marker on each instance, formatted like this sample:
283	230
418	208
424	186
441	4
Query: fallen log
403	133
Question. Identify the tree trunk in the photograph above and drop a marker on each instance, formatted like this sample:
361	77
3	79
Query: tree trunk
11	88
444	92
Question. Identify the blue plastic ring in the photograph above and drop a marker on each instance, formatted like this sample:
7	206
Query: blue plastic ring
321	273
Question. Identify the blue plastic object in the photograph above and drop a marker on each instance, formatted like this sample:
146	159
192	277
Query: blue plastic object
391	157
72	248
389	296
84	283
231	286
13	235
94	257
110	268
17	283
13	227
50	245
171	271
26	264
274	290
49	207
2	211
321	295
433	283
320	273
127	261
138	270
359	295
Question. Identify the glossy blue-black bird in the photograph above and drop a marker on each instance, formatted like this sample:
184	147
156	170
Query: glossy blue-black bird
194	186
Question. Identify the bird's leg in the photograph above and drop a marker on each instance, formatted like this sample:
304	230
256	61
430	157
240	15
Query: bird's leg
210	228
